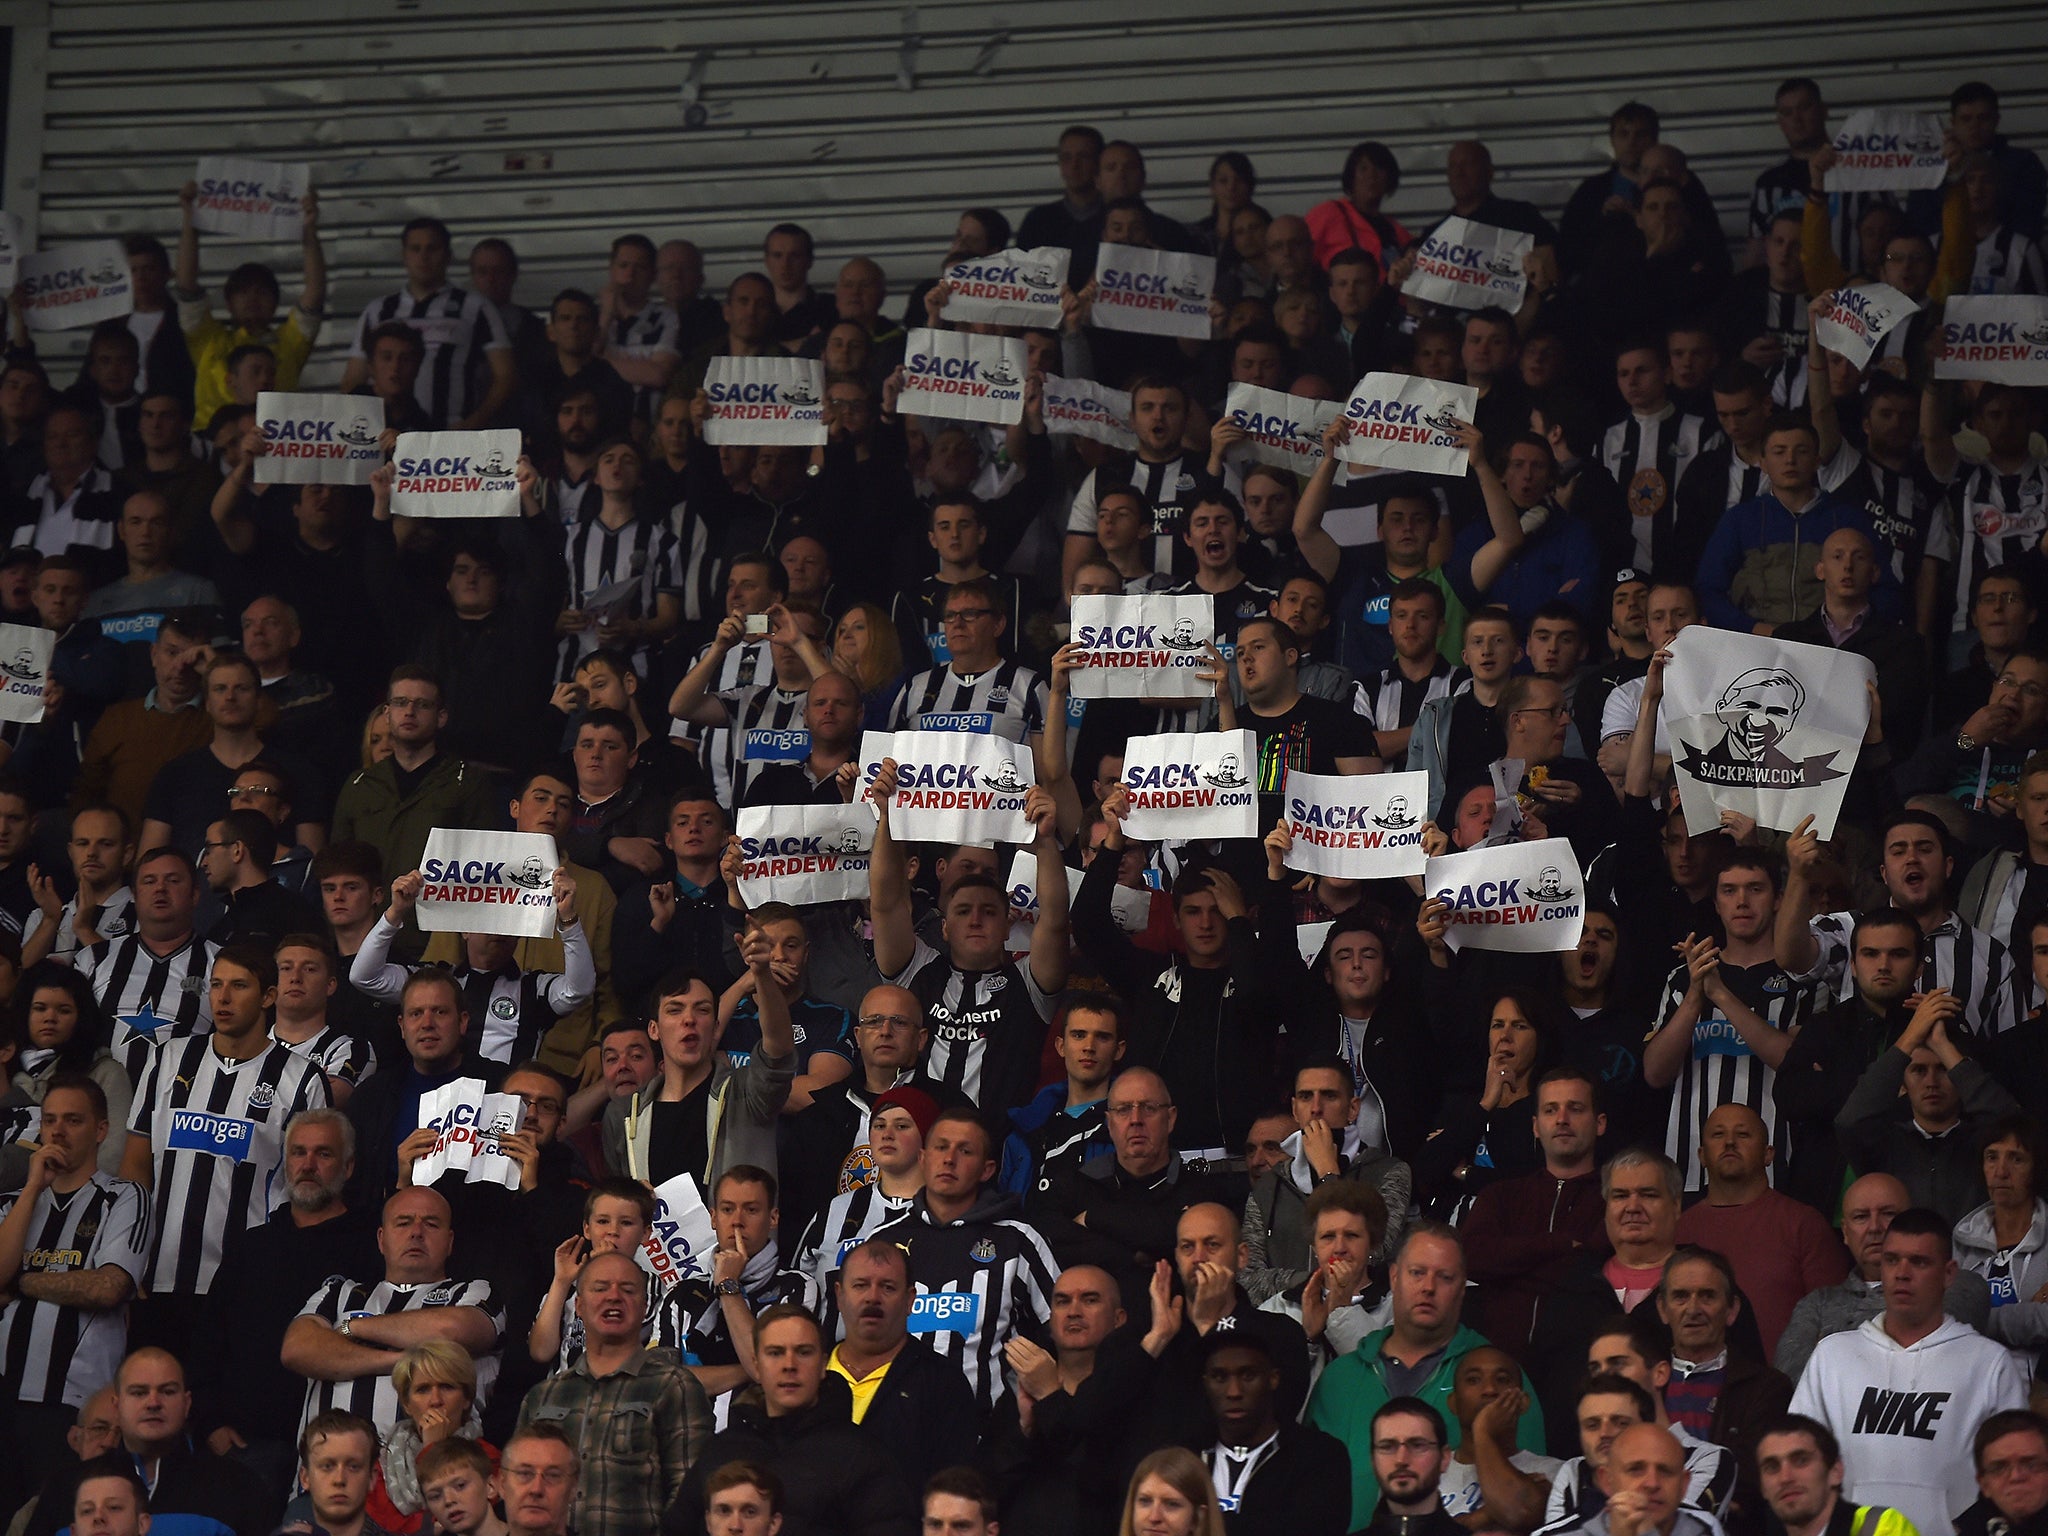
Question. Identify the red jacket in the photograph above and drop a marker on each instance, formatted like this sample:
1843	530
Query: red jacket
1520	1235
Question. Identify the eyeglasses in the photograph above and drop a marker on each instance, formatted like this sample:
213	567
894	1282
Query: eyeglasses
250	792
885	1023
2025	1466
534	1101
1415	1447
967	615
412	704
1146	1107
209	847
554	1477
1552	710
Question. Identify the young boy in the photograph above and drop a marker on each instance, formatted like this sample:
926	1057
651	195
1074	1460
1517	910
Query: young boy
617	1216
460	1485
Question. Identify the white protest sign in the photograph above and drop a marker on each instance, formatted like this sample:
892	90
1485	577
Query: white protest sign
467	1123
1468	265
953	786
25	652
2002	338
1143	645
70	286
1882	149
1858	318
1399	421
1356	826
1084	408
1281	429
456	474
489	882
761	401
1527	898
319	439
963	376
1161	293
255	199
1192	784
10	250
805	853
1012	287
679	1243
1765	727
1309	939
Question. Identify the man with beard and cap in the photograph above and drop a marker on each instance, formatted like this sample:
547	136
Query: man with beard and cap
246	1404
1273	1477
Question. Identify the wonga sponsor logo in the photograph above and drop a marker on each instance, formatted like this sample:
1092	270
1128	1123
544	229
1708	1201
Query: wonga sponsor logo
197	1130
945	1312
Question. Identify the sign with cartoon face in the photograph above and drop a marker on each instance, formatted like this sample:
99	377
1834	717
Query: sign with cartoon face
1764	727
1283	430
1012	287
2001	338
1399	421
468	1123
805	853
250	199
1356	826
1858	318
953	786
1142	645
1524	898
25	654
1156	293
456	474
319	439
963	376
1882	149
762	401
1468	265
489	882
72	286
1192	784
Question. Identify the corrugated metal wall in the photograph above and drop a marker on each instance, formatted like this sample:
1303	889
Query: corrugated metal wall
874	123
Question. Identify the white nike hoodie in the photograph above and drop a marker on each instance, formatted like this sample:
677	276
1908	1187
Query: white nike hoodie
1906	1416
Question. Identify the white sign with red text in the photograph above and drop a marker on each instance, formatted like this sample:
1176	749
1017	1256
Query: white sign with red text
764	401
1192	784
456	474
1282	430
1084	408
25	652
1882	149
1525	898
804	853
1468	265
953	786
467	1122
679	1243
70	286
1399	421
1142	646
964	376
1356	826
1012	287
1858	318
2001	338
250	199
319	439
1160	293
489	882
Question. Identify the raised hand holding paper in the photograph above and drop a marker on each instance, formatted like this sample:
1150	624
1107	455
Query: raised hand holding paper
1356	826
488	882
253	199
1859	318
952	786
1192	784
456	474
468	1122
762	401
1525	898
1142	646
1468	265
25	653
70	286
1159	293
1084	408
1766	727
1011	287
964	376
1283	430
1399	421
319	439
805	853
678	1245
2002	338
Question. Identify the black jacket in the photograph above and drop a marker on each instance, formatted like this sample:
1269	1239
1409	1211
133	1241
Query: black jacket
191	1481
1302	1489
1131	1222
814	1142
836	1481
1066	1475
1900	657
696	937
923	1416
1818	1074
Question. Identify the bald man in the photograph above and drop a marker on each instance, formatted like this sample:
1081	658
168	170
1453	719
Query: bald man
1849	567
1644	1479
1782	1248
1868	1207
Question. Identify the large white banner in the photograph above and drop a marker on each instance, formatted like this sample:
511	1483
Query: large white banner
25	652
762	401
319	439
1285	430
964	376
489	882
678	1246
1882	149
953	786
1526	898
1012	287
1142	646
251	199
2002	338
70	286
10	251
1857	319
1399	421
805	853
1161	293
456	474
1468	265
1765	727
1192	784
1356	826
467	1123
1084	408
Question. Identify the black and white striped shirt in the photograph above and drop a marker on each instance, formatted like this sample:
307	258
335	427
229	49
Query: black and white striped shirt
1903	505
85	519
1720	1068
700	574
61	1355
641	551
651	333
152	998
1970	963
342	1056
2007	262
987	1028
1391	699
745	666
1648	456
767	728
1007	700
1993	519
216	1135
112	919
851	1219
1170	487
373	1397
458	328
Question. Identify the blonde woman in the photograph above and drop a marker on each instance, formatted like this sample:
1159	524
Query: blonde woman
865	648
377	735
436	1387
1171	1495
